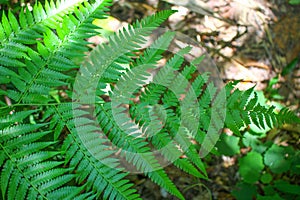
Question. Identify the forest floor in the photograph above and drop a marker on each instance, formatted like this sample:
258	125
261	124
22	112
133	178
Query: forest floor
255	41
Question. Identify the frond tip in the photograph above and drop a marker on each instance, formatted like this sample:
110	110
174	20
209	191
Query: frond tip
244	109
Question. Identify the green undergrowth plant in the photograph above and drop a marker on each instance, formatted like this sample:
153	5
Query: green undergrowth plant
75	119
269	170
268	161
294	2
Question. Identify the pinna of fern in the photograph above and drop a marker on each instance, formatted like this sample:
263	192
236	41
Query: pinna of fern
90	155
30	166
16	34
33	72
243	109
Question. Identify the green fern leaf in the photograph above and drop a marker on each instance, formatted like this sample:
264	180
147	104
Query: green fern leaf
89	161
26	164
6	25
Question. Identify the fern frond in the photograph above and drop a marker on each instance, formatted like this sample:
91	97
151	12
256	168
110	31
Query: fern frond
31	25
153	53
243	109
161	139
87	152
163	142
55	53
45	72
163	79
287	116
136	78
120	44
28	167
135	149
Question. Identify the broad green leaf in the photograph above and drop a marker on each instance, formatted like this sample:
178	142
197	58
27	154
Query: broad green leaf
295	166
244	191
278	158
228	145
286	187
3	1
294	2
266	178
250	140
269	190
251	166
273	197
